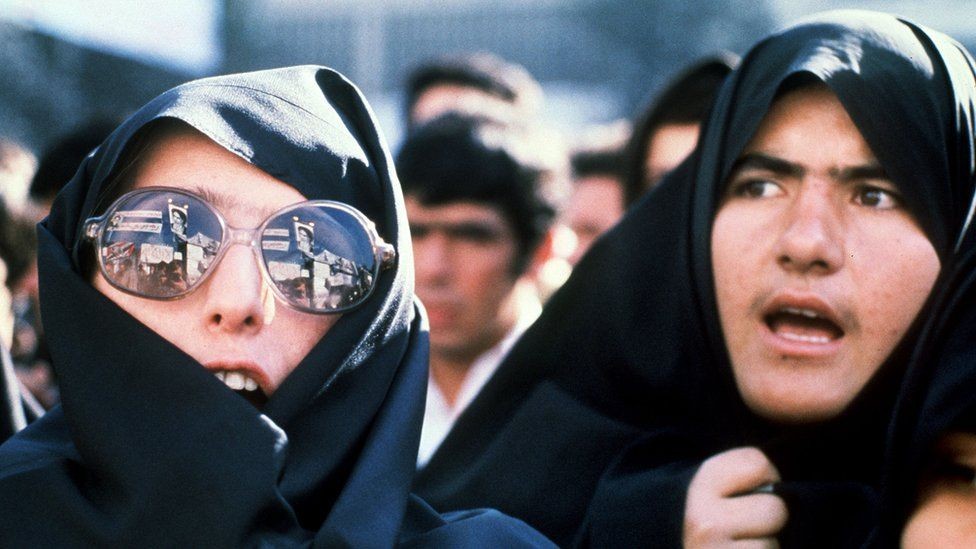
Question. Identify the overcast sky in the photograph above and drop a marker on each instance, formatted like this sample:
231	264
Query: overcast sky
177	33
184	33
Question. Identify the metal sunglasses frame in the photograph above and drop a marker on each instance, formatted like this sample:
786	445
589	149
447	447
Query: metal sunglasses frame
383	252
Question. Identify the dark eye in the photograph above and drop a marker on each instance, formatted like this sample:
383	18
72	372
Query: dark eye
474	233
419	231
876	197
757	188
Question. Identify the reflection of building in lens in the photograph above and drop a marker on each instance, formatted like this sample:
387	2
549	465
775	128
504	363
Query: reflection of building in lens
118	253
207	244
199	255
292	280
337	281
119	260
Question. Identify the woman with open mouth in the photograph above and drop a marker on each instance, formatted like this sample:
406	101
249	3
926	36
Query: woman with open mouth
228	297
726	359
833	181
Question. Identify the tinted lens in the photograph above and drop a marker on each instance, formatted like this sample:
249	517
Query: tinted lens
159	243
320	257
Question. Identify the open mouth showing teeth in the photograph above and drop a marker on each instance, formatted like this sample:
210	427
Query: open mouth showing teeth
803	325
242	384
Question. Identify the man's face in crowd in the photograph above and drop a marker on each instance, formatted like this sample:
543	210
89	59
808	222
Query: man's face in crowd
464	256
595	205
668	146
946	512
231	323
819	267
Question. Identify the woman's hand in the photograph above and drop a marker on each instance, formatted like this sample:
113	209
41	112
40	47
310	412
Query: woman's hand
724	508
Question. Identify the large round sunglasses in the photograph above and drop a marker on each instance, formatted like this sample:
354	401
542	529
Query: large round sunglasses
161	243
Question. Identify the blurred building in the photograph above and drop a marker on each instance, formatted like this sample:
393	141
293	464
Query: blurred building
953	17
49	86
596	59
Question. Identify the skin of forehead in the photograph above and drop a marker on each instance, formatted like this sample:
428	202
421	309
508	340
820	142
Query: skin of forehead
226	201
170	130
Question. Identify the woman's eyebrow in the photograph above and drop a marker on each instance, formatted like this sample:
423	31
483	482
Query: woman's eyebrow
780	166
765	162
871	170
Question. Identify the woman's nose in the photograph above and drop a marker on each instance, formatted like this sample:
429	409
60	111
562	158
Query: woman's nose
237	299
812	240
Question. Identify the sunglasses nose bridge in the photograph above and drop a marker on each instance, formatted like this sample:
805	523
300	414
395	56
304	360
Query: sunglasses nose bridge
244	237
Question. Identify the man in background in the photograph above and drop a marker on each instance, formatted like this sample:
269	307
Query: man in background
597	199
667	131
481	199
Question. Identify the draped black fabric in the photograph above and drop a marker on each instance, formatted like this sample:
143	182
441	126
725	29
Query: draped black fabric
629	353
937	397
149	449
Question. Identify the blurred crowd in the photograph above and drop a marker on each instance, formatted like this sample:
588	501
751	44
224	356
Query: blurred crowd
28	185
501	206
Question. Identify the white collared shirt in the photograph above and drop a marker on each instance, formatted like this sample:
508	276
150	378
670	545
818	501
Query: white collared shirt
439	415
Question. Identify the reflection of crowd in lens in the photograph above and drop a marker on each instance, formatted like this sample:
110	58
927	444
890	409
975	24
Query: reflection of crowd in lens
743	316
295	289
137	260
167	277
332	281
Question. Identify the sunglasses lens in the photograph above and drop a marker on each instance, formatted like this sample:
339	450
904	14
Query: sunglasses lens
320	257
159	243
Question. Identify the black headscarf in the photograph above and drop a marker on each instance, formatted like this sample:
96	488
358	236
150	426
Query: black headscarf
631	346
148	448
938	397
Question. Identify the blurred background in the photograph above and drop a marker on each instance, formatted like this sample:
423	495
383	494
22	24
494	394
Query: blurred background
66	61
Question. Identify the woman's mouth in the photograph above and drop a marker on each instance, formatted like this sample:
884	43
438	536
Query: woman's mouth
803	325
237	381
243	385
243	381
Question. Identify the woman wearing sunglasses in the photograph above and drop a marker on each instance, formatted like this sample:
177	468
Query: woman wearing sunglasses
240	236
